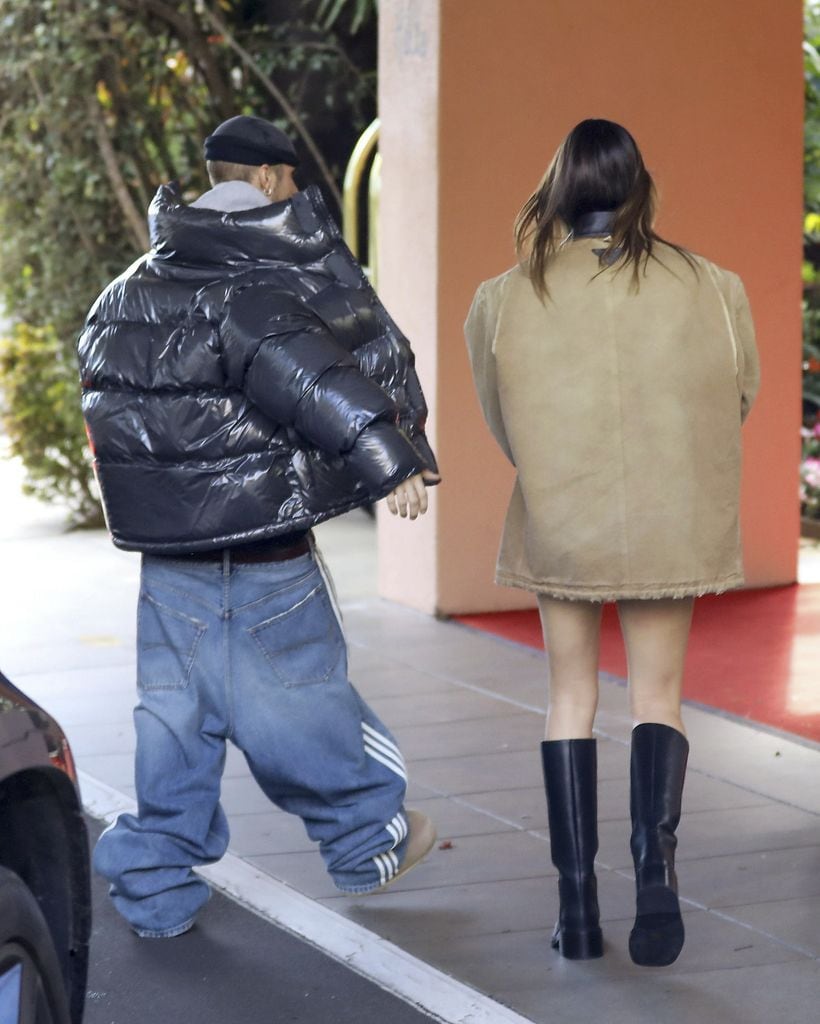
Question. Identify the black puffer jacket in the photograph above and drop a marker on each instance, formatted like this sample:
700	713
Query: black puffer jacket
242	381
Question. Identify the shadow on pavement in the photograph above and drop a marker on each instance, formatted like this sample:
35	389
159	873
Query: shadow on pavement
232	967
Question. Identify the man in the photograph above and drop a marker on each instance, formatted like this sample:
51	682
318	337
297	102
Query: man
241	383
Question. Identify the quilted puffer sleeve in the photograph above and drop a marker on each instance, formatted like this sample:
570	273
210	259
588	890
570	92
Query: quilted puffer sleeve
302	378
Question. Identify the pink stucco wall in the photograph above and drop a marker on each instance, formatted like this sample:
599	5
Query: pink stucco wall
474	98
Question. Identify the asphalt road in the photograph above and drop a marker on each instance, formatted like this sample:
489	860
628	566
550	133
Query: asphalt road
231	968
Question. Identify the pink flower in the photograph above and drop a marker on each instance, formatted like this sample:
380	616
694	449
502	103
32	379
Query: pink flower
810	472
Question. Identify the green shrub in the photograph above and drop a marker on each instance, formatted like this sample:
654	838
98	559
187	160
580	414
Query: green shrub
41	416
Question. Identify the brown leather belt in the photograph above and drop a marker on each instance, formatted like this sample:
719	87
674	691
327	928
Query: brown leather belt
250	554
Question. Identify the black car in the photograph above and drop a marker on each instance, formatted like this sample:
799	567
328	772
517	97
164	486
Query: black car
45	901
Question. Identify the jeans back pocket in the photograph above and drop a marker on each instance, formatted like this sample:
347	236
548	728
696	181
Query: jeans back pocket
167	642
302	644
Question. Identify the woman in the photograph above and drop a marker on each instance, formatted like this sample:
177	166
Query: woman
614	369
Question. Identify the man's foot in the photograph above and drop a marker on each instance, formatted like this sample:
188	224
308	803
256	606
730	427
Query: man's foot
420	839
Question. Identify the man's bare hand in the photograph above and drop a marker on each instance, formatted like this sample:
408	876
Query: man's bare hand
409	499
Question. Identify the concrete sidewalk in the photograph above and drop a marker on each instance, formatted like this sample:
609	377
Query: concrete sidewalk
468	712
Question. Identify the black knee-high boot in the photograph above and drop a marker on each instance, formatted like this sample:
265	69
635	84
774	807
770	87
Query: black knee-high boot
570	777
657	770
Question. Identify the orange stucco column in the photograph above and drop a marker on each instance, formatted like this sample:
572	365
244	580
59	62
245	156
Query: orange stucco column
475	95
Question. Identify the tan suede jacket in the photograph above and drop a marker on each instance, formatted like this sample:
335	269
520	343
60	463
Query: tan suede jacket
621	411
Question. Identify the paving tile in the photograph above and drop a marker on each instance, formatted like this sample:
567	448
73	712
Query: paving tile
52	656
521	731
453	705
794	921
116	770
525	808
716	833
389	627
241	795
713	943
454	819
268	832
348	546
82	683
493	857
510	770
470	859
378	677
516	769
114	738
432	919
416	791
112	709
614	725
738	879
528	806
613	761
761	994
705	793
770	764
506	961
485	662
613	799
236	767
303	871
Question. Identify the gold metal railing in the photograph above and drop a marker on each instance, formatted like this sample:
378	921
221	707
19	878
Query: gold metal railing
365	163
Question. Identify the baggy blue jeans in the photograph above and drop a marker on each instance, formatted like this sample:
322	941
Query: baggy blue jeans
251	653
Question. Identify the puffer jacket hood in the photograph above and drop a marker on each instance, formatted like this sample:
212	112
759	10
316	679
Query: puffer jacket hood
242	380
296	232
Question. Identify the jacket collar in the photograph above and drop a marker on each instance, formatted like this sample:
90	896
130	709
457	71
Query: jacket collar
595	224
298	231
232	196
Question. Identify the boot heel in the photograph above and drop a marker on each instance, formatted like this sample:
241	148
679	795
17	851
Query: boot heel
657	899
658	935
579	944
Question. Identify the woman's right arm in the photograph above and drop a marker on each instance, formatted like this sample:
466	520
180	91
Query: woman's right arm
748	360
479	331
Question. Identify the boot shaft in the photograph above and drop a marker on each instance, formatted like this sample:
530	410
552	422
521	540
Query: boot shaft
657	771
571	782
570	778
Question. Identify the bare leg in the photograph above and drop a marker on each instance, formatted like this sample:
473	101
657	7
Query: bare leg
572	638
656	633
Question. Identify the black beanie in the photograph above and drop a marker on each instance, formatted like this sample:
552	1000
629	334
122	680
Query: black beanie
250	140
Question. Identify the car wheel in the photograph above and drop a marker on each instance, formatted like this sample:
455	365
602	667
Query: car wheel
31	982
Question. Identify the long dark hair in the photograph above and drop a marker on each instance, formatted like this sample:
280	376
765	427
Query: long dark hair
597	167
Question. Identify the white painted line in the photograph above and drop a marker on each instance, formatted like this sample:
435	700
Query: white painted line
385	964
102	801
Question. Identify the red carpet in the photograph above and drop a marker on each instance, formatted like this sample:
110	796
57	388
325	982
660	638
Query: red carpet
753	653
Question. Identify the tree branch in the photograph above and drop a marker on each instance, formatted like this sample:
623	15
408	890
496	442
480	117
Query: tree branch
277	94
133	218
189	33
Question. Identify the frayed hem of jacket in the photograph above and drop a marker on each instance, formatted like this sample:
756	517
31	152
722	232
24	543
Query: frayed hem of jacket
609	592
